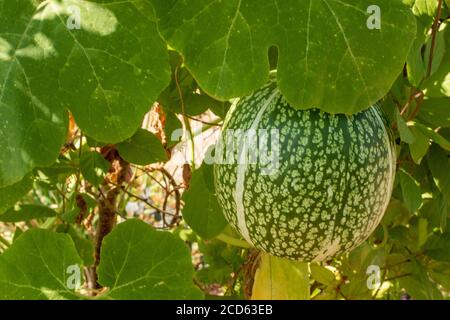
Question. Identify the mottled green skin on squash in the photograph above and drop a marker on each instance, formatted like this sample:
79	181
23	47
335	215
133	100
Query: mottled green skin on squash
332	186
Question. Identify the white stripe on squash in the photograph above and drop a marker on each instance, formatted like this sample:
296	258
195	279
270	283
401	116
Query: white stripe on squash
242	169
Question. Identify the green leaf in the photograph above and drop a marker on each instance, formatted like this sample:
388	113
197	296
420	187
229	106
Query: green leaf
17	233
440	273
107	72
183	83
281	279
433	135
36	267
438	85
443	206
396	213
419	147
26	213
57	172
84	246
435	210
116	69
94	167
439	164
142	148
173	124
422	231
436	111
438	246
357	288
201	211
138	262
11	194
33	122
364	256
419	285
425	11
71	215
328	57
405	133
322	274
439	48
412	195
416	67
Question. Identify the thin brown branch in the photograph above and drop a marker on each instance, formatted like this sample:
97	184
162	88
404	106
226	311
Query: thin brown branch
146	201
433	38
204	122
398	277
419	97
185	118
176	190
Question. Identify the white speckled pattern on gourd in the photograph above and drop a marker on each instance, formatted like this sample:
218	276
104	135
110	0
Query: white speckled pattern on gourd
332	186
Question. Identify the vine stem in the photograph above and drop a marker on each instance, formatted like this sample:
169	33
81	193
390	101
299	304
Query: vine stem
418	95
175	189
210	124
185	118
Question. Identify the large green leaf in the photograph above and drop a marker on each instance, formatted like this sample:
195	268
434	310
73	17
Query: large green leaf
328	57
116	69
138	262
33	122
36	267
108	72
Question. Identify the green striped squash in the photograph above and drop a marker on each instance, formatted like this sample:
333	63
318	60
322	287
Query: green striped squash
319	183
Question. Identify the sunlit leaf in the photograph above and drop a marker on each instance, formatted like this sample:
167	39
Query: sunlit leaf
328	57
36	267
138	262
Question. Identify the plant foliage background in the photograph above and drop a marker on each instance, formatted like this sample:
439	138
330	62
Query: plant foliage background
85	146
